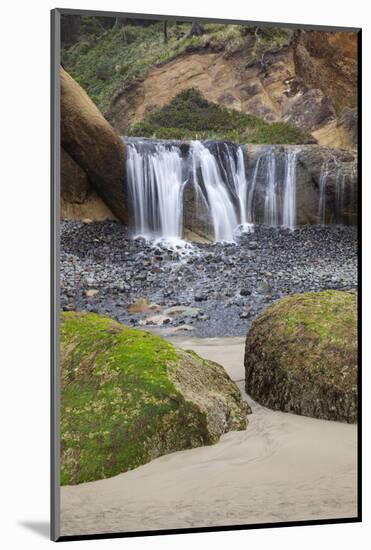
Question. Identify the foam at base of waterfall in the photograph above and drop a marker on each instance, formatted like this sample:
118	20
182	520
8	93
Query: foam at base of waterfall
244	229
181	247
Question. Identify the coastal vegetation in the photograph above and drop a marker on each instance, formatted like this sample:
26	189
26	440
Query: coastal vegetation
190	116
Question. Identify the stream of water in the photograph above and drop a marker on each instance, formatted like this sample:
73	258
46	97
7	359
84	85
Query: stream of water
234	191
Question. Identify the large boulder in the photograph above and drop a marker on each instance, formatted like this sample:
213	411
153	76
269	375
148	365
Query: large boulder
75	183
93	144
79	199
128	397
301	356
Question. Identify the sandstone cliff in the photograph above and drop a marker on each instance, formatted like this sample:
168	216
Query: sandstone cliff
93	157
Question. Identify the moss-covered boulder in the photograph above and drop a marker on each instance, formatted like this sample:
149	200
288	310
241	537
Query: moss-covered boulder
128	396
301	356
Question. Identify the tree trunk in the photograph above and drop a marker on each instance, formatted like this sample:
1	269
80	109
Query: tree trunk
165	32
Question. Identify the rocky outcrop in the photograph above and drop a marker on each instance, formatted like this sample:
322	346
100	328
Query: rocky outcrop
197	222
128	397
336	170
95	151
310	110
78	197
301	356
328	61
75	183
348	122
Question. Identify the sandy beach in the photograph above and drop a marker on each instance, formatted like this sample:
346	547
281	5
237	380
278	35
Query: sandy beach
283	467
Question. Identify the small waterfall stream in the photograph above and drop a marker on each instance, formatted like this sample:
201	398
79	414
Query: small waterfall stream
155	180
340	188
251	193
208	180
322	194
289	197
270	200
234	192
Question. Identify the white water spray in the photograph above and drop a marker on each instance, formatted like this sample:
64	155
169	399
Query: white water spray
270	201
156	184
289	192
208	180
322	194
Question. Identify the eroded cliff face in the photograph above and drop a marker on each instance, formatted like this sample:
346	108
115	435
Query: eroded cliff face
310	82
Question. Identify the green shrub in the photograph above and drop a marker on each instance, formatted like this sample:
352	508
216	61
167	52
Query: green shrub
190	116
103	71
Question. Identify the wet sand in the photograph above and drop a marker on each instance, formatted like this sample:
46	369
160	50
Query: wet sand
282	468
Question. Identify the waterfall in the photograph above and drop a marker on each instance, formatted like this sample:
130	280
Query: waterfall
322	194
270	200
208	181
250	195
234	193
340	187
155	181
238	179
289	197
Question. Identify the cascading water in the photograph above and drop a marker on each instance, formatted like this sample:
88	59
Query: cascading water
340	187
236	172
234	195
251	191
289	196
208	181
270	201
156	182
322	194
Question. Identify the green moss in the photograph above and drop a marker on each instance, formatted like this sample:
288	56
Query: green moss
190	116
120	404
119	407
301	355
